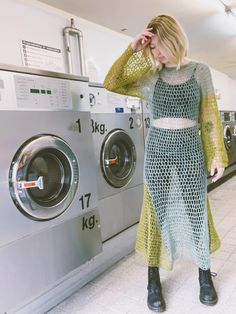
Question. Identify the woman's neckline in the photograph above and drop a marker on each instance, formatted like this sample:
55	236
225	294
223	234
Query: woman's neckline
181	67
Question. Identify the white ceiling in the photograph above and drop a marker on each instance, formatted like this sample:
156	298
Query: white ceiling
211	33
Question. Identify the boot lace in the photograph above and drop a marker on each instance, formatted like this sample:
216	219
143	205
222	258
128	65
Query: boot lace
206	277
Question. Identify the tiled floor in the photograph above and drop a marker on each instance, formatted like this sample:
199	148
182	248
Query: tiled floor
122	288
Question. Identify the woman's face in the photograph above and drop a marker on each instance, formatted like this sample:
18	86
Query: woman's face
157	51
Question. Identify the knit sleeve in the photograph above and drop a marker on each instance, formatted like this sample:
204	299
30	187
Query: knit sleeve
126	76
210	122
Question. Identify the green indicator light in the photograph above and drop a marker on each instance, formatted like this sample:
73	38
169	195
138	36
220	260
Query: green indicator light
43	91
34	91
49	92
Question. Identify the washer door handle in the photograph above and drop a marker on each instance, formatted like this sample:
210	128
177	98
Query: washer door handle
31	184
112	161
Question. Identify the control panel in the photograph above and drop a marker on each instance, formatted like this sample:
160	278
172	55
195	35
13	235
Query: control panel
44	93
228	116
25	91
104	101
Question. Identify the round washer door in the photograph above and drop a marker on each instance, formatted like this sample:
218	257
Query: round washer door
227	137
43	177
118	158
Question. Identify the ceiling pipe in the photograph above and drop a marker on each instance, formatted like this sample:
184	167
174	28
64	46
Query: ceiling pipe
227	8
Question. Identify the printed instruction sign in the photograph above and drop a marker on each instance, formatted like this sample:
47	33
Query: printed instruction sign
39	56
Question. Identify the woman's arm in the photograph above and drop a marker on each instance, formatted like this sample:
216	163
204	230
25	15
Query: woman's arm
210	123
126	73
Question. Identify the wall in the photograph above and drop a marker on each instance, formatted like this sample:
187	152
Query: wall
232	94
227	90
33	21
220	81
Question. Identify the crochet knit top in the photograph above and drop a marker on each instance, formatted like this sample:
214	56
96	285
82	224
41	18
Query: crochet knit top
132	74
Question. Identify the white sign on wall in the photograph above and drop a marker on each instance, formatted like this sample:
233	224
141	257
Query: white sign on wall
39	56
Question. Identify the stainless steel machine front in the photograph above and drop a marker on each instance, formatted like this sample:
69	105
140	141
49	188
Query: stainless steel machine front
49	221
228	119
119	152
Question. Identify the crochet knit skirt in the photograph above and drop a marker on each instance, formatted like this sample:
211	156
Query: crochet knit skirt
176	218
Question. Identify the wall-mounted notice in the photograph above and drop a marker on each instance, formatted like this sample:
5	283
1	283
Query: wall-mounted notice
41	57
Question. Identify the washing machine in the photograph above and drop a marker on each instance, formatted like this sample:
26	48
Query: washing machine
116	122
146	117
233	128
228	119
49	221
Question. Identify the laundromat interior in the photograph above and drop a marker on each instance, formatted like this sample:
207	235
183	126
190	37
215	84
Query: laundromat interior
72	157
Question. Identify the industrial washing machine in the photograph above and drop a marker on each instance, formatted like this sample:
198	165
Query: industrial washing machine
116	122
49	221
233	125
146	117
228	119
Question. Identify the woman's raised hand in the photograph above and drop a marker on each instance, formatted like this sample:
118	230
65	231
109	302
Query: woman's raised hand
142	40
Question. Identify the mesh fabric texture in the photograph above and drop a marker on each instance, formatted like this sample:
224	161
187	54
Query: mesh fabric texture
176	217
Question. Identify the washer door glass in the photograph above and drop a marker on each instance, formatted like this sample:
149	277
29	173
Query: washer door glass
118	158
43	177
227	137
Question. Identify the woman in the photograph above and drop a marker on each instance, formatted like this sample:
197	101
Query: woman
176	216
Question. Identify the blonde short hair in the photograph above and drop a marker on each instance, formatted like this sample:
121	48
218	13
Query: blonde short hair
171	37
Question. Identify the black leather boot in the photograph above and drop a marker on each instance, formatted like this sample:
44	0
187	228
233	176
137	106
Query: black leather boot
208	294
155	299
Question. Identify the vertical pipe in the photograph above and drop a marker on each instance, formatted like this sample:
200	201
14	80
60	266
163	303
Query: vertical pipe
74	31
81	56
68	52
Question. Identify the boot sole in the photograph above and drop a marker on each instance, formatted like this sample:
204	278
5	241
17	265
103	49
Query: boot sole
159	309
210	303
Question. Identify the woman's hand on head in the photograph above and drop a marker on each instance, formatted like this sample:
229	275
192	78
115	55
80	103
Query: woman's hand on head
216	173
142	40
